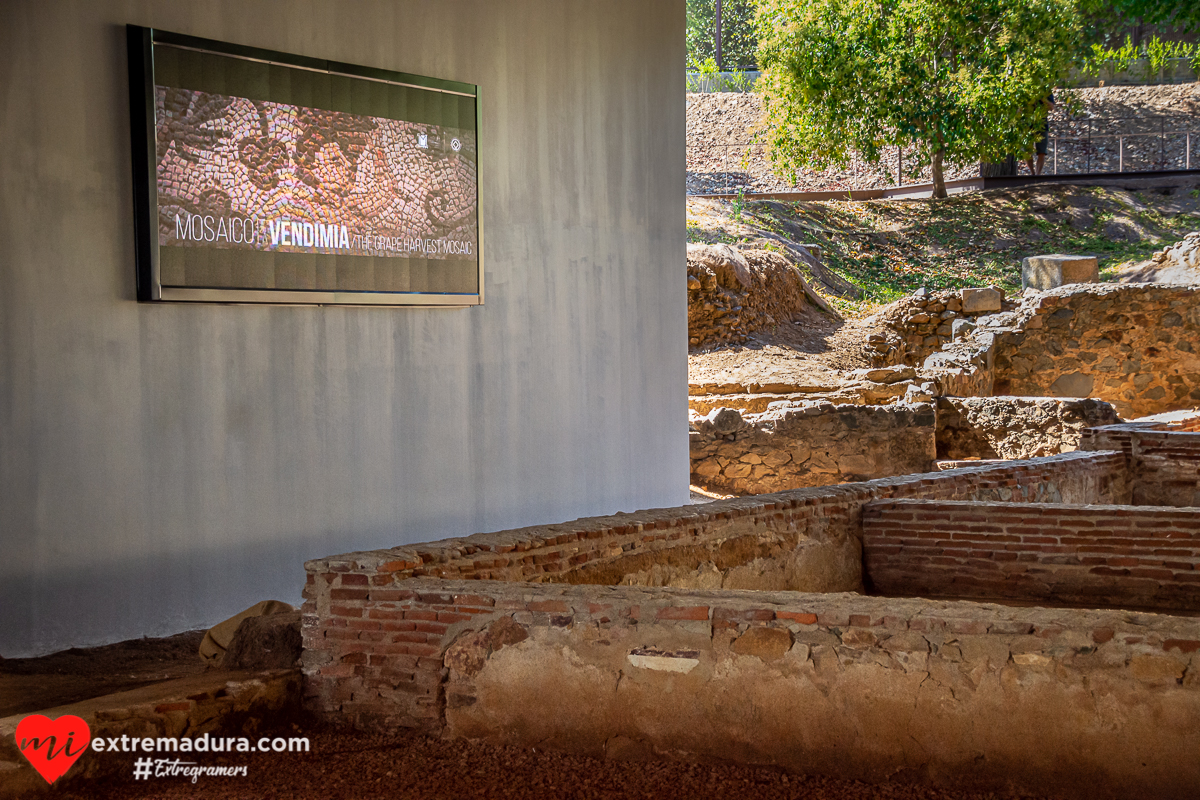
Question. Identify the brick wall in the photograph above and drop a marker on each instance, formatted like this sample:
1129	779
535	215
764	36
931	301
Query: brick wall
1164	459
856	686
1111	555
1166	468
365	649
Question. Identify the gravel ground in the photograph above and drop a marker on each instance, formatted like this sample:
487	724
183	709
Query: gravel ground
411	766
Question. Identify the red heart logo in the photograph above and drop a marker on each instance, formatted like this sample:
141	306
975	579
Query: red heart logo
52	745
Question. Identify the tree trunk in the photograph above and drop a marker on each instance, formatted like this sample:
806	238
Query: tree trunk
720	61
998	169
939	182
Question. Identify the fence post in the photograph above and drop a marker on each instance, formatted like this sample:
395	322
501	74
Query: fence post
1120	154
1055	155
1162	143
1087	169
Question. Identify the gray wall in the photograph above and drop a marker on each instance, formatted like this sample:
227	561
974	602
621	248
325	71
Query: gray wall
164	466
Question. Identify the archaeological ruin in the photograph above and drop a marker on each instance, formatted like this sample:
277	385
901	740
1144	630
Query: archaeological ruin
933	558
851	630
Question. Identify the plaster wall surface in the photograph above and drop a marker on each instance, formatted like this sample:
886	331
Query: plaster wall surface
165	466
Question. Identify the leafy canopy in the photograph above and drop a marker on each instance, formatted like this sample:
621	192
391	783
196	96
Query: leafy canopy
737	33
1182	14
958	80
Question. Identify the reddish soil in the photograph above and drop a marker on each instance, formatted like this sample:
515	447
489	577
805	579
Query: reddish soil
406	765
812	349
36	684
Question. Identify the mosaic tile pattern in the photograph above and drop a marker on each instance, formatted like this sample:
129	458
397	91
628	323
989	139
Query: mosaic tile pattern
235	173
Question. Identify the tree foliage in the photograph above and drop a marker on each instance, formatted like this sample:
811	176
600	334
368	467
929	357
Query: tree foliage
1181	14
960	81
738	40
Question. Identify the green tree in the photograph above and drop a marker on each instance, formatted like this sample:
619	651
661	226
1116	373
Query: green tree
960	81
1113	14
738	40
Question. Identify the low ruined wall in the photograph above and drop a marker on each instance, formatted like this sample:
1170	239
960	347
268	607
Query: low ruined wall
1111	555
919	325
1164	459
1015	427
812	444
806	539
733	293
1134	345
214	703
1070	702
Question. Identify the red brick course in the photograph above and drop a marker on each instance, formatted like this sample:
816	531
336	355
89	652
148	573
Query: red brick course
381	604
1113	555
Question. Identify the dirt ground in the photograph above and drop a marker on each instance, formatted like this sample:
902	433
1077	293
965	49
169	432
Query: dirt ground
353	766
345	765
34	684
810	350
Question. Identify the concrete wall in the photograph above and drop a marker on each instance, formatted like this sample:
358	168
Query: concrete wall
164	466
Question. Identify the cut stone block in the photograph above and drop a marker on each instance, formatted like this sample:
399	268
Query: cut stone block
977	301
1049	272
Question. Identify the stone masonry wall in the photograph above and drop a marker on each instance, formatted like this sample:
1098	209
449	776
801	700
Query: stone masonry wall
733	293
1164	459
1134	345
809	444
363	650
1015	427
917	326
1110	555
1071	702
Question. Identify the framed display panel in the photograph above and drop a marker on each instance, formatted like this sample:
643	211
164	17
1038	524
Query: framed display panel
263	177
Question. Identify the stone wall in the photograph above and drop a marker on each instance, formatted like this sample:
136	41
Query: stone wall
809	444
1125	556
354	629
1164	459
213	703
917	326
734	292
1076	703
1134	345
1015	427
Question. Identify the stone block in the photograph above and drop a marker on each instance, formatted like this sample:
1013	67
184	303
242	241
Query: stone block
1049	272
961	327
978	301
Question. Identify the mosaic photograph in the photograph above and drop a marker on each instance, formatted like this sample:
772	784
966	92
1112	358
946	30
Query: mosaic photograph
235	173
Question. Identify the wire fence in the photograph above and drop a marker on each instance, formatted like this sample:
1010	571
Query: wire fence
1076	146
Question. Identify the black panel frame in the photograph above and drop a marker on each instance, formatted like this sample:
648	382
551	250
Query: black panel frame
140	42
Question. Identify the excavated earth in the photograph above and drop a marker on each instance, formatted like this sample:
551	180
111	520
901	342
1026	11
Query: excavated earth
355	766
